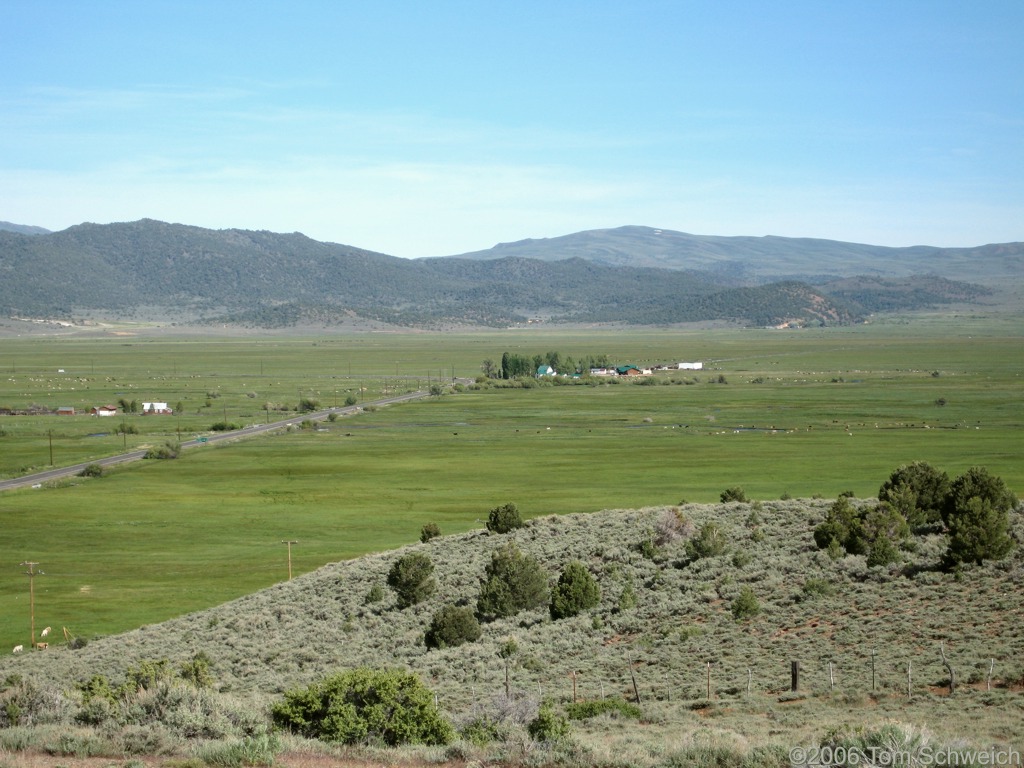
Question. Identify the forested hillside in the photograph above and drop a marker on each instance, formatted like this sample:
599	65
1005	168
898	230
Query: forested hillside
264	279
765	259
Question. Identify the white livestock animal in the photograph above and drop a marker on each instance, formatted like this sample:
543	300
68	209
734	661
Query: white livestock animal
18	649
45	632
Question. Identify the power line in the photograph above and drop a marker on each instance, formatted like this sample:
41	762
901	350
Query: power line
289	543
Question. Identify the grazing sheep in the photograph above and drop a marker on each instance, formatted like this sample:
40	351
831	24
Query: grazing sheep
45	632
42	646
18	649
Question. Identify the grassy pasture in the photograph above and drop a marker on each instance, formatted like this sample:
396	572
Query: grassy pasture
831	410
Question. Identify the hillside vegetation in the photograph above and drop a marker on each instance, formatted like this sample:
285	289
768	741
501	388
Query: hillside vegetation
703	636
262	279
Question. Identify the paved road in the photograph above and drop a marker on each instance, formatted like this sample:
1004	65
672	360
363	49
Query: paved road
39	478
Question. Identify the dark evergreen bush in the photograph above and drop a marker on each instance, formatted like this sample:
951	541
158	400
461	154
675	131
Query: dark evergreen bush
843	526
513	582
365	706
733	494
577	591
746	605
710	542
429	531
504	519
375	594
451	627
411	578
976	482
978	531
918	490
883	552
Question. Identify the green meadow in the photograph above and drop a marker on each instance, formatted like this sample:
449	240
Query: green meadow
797	413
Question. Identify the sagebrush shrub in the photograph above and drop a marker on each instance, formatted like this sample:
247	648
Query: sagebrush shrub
548	726
672	526
198	671
26	703
584	710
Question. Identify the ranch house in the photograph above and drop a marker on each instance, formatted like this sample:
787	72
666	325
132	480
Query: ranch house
155	409
104	410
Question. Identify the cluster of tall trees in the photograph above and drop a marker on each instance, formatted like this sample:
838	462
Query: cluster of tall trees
514	365
972	509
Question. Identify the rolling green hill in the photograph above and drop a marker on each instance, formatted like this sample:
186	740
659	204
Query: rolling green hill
666	631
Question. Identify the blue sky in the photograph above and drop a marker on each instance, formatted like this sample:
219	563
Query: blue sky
435	128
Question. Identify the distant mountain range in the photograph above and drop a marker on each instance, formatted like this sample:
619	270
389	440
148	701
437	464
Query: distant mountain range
634	275
763	259
6	226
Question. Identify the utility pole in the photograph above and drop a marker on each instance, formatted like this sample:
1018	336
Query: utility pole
32	573
289	542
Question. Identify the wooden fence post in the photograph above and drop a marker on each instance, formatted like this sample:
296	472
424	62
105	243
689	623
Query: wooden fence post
636	689
949	668
831	679
794	676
